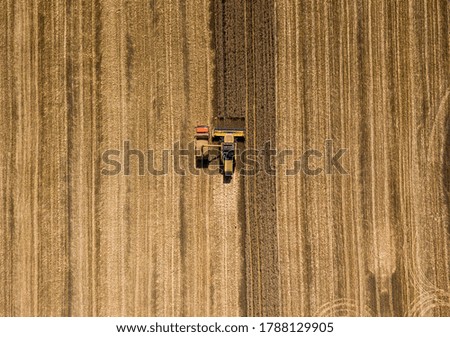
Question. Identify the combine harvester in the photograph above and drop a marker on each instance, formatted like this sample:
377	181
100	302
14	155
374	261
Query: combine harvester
224	139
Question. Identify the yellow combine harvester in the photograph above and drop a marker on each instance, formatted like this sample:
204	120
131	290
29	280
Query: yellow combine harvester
224	139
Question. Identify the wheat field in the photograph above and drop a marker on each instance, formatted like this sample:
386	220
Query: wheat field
80	77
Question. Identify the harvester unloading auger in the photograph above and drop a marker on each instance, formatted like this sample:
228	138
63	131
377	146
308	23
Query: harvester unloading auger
224	139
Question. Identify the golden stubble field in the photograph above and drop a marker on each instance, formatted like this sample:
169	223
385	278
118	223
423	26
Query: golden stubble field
78	78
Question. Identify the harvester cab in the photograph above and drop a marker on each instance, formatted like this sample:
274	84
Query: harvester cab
224	139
